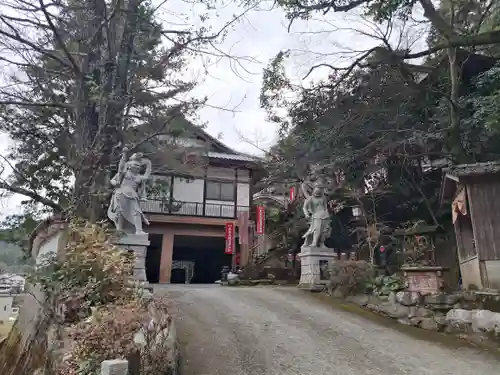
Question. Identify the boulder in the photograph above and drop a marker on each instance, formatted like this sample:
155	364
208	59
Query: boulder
405	321
440	319
233	278
419	312
395	311
429	324
486	321
459	316
392	298
470	297
408	298
114	367
415	321
383	298
442	301
459	320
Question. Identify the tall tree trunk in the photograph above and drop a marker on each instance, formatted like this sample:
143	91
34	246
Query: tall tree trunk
454	133
110	64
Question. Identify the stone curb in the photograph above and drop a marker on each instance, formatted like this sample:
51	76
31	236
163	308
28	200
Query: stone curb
175	369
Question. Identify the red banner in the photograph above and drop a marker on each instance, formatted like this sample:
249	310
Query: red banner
292	194
261	218
229	238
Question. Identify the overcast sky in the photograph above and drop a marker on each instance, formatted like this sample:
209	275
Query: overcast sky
260	35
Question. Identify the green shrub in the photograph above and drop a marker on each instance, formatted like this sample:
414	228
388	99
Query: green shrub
384	285
91	272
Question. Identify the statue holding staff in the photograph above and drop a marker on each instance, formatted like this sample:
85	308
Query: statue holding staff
316	210
130	188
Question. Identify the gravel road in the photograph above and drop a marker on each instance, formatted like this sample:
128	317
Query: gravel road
283	331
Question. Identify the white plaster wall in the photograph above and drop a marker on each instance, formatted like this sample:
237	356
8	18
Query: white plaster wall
188	190
5	307
242	194
243	175
48	248
492	268
471	273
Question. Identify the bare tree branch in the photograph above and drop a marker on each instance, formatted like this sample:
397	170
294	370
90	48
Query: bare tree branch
31	194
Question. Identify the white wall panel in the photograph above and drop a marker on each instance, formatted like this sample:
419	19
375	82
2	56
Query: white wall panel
243	194
188	190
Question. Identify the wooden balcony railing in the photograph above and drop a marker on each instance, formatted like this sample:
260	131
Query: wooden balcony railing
167	207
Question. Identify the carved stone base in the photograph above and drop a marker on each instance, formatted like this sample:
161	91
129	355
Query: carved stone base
312	261
138	244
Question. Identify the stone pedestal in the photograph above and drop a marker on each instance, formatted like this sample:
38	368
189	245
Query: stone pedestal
138	244
114	367
312	261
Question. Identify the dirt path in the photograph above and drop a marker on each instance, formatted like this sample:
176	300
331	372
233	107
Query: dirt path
266	331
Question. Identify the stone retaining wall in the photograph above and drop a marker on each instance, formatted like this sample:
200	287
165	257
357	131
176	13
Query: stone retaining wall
452	313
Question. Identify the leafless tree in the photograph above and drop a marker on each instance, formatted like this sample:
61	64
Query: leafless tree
83	79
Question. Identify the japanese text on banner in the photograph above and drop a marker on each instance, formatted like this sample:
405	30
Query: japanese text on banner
261	218
229	238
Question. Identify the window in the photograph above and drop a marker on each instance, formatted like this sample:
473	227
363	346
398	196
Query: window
220	191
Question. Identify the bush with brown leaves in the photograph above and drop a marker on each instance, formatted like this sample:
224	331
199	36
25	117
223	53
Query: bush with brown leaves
98	312
111	332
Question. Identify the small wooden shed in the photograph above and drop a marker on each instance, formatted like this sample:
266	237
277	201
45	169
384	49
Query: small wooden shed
474	193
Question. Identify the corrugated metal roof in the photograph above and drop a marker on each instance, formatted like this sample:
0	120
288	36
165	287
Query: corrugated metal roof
240	157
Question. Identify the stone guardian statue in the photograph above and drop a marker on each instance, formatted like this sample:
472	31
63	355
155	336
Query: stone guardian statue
130	188
316	210
308	184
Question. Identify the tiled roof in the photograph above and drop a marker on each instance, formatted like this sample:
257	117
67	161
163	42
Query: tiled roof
240	157
462	170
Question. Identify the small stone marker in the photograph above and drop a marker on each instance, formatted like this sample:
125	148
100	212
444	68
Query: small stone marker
114	367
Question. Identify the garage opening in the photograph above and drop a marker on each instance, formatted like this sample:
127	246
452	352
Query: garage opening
204	254
153	258
178	276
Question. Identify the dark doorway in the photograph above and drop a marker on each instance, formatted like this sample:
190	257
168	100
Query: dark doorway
153	258
207	253
178	276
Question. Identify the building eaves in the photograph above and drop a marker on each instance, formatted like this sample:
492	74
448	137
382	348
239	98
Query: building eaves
238	157
476	169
